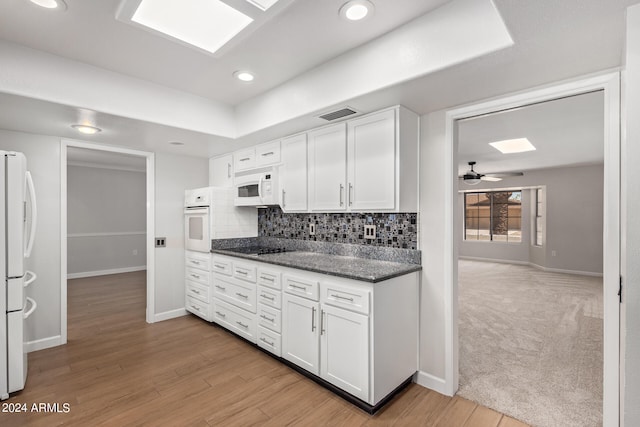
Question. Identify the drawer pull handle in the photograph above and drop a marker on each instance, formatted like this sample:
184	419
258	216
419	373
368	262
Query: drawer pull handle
302	288
244	273
245	159
242	295
195	262
267	342
341	297
268	297
270	153
242	324
271	279
195	291
219	266
267	318
221	314
195	276
222	288
195	307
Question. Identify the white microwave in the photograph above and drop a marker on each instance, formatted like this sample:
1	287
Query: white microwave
258	187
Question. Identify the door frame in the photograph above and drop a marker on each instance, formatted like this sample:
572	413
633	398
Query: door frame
150	218
610	84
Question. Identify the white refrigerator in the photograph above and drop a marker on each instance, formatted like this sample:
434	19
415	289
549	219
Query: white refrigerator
17	231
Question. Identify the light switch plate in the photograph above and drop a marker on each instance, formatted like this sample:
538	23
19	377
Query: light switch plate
161	242
312	229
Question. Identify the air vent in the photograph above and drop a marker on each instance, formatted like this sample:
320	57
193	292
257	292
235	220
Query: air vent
335	115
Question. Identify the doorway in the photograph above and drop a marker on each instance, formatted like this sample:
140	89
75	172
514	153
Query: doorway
147	160
610	84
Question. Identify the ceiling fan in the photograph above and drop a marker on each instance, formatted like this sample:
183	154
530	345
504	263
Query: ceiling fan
472	177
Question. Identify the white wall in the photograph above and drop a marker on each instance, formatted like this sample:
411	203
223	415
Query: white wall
574	220
106	220
174	174
42	154
631	227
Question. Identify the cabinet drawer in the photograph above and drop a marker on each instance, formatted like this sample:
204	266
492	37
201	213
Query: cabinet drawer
235	292
268	154
198	291
235	319
270	341
198	276
270	318
353	299
244	159
221	265
198	308
196	260
270	297
269	278
302	287
244	271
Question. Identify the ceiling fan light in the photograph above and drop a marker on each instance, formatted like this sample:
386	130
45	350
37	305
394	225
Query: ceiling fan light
472	181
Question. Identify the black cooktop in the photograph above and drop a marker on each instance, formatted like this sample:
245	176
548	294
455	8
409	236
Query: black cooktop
257	250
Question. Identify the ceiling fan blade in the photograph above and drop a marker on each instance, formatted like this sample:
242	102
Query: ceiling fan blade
491	178
504	174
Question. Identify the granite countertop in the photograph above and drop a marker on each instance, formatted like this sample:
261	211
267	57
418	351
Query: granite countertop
368	270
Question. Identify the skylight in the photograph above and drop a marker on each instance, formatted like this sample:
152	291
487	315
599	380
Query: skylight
206	24
510	146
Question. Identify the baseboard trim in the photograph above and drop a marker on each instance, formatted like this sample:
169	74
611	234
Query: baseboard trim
172	314
499	261
84	274
539	267
431	382
43	343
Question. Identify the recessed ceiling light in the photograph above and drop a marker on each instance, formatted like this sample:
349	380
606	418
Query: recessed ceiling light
510	146
245	76
206	24
356	10
86	129
51	4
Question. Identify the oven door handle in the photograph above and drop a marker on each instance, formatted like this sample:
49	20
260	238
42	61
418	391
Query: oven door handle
196	210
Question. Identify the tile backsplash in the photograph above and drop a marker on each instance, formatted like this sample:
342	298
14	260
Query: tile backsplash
394	230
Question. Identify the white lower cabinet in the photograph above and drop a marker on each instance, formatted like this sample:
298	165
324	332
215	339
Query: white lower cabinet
197	284
300	343
344	350
361	337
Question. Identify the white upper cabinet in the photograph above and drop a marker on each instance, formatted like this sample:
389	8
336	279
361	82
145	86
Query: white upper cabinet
327	168
371	162
293	174
221	171
244	159
268	154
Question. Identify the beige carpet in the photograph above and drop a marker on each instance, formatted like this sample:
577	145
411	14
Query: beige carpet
531	343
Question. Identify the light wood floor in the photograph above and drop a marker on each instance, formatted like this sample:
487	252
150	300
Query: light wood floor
117	370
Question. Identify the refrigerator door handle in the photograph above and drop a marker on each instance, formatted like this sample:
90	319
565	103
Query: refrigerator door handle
34	305
31	279
34	215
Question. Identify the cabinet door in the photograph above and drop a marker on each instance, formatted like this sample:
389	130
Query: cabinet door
300	332
371	149
268	154
328	168
293	197
221	171
345	350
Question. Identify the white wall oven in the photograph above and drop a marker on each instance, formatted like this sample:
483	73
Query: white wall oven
197	208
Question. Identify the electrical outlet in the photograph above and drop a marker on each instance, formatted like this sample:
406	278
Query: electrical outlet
312	229
554	253
161	242
135	252
369	232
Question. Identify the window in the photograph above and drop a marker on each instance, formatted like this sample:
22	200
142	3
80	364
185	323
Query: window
539	224
493	216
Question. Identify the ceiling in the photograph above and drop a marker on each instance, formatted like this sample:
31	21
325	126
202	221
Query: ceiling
565	132
579	37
